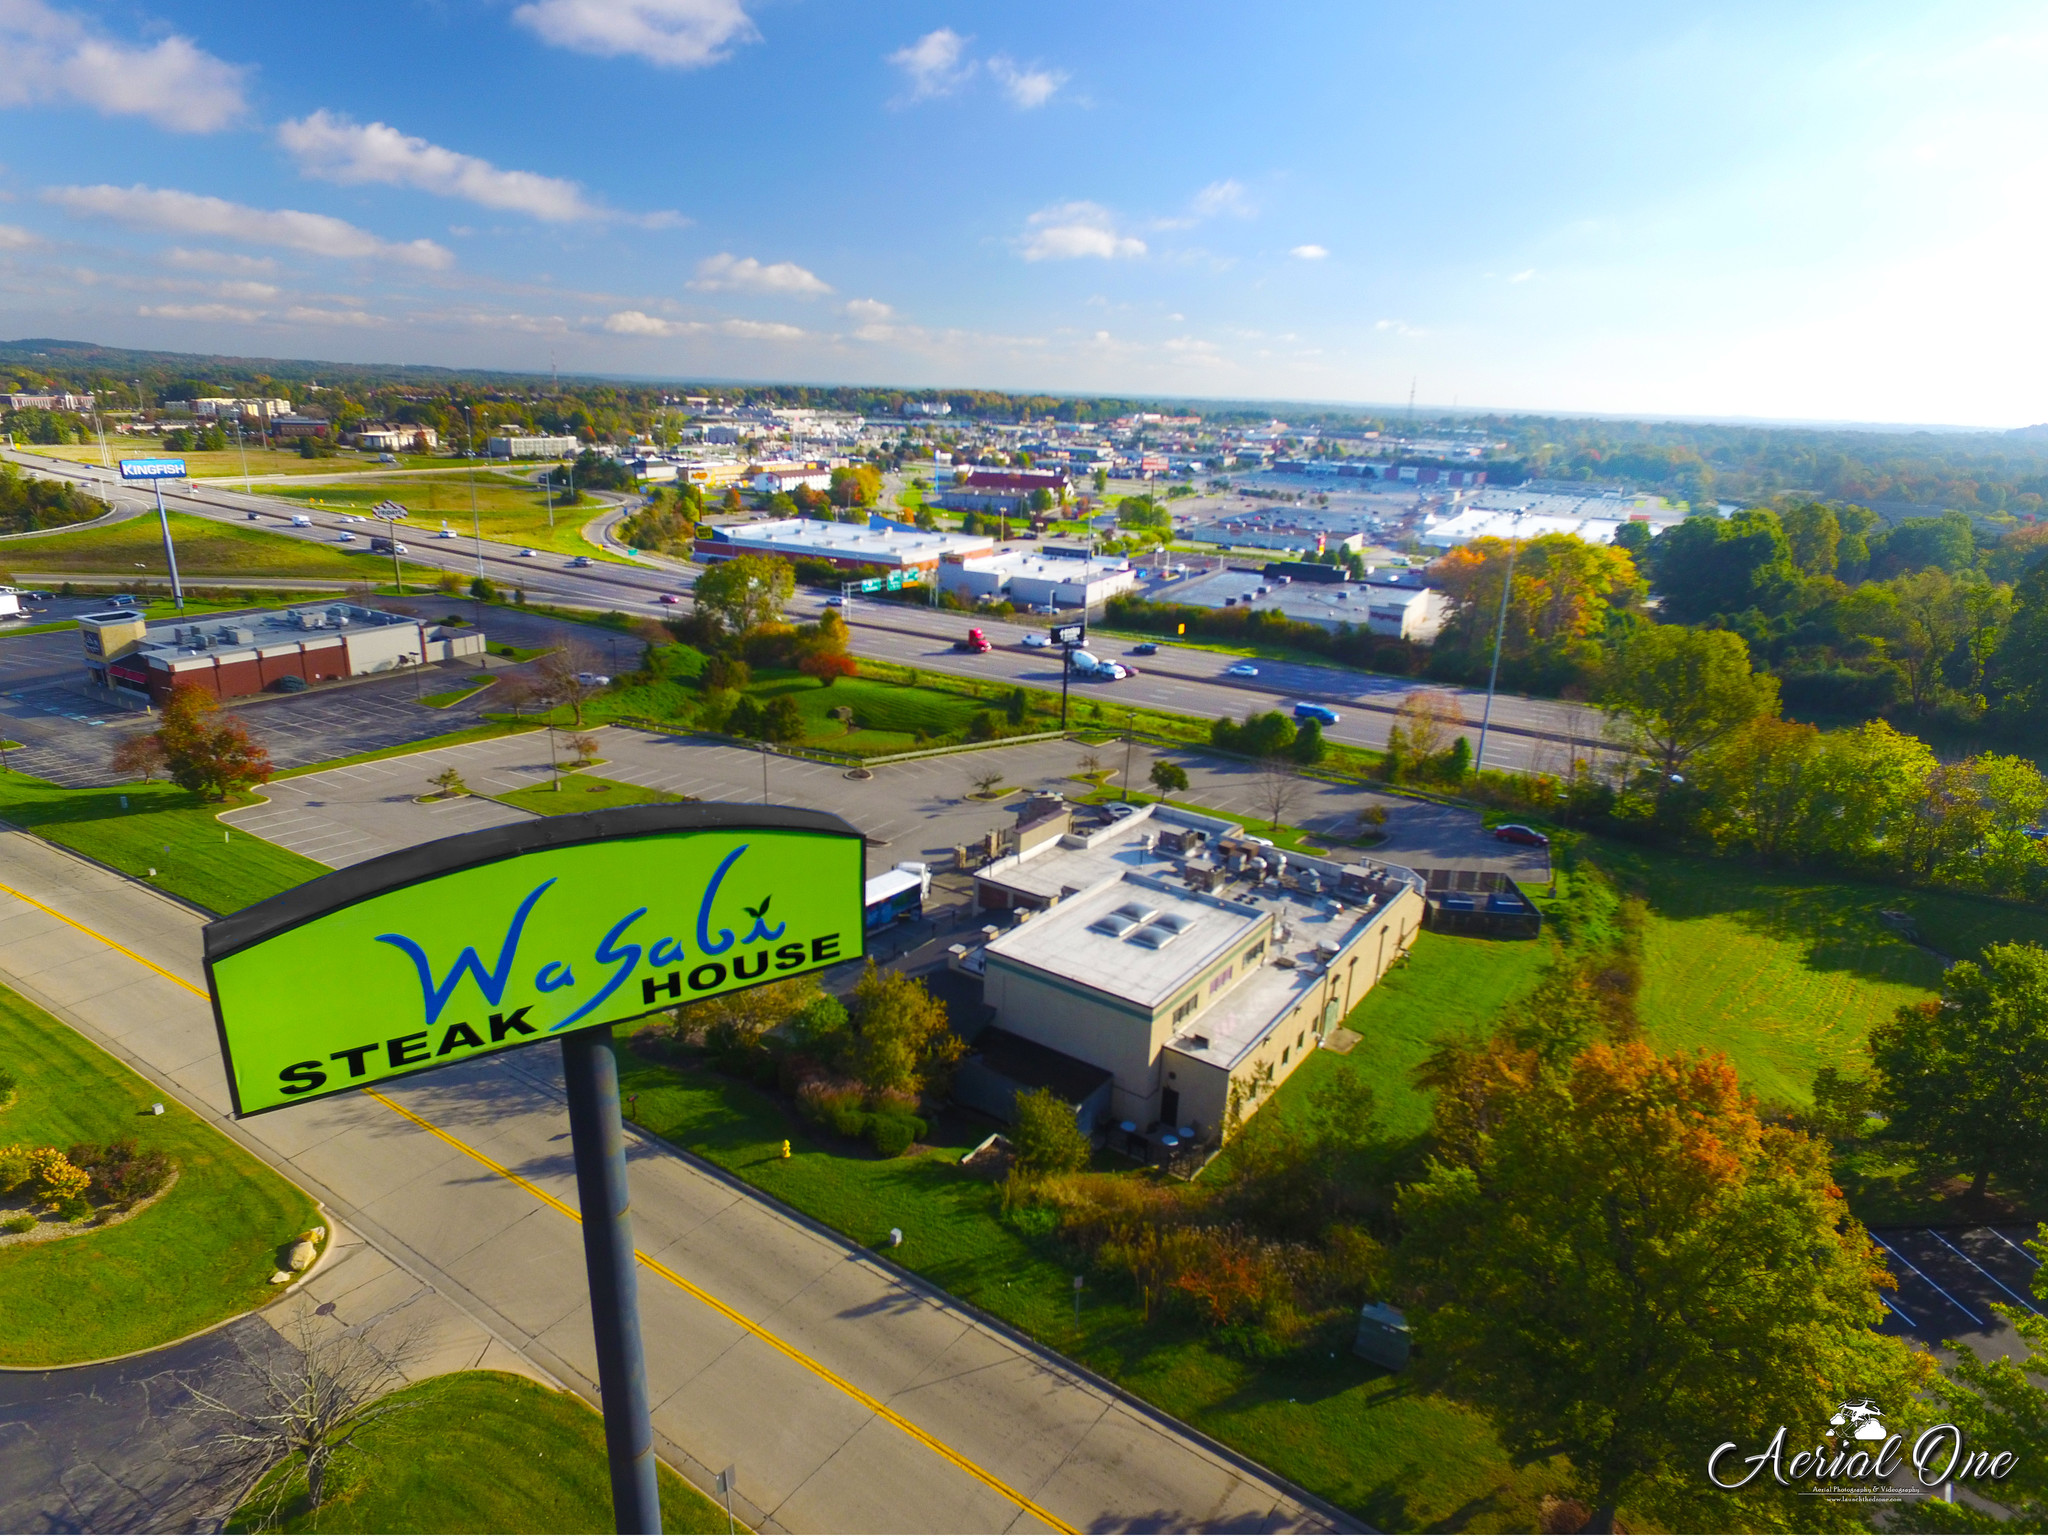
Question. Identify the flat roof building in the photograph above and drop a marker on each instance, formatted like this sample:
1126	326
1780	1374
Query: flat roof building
1032	579
1196	967
530	446
1383	604
847	545
135	662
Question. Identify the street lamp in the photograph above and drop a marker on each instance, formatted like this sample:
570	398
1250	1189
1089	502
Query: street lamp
765	752
1499	633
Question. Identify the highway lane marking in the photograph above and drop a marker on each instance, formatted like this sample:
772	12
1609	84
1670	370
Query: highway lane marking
867	1400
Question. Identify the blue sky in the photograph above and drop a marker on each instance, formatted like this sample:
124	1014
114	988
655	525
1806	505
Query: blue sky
1806	211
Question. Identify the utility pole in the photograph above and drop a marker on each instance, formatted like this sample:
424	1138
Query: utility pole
248	485
1500	630
476	525
1130	731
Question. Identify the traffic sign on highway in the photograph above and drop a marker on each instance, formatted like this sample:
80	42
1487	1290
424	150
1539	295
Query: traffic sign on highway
389	509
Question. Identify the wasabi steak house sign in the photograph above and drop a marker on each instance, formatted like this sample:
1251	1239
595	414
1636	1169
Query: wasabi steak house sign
510	936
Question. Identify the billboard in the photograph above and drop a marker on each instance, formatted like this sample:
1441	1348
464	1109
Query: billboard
152	469
1069	634
512	935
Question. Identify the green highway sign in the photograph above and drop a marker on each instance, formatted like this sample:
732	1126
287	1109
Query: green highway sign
506	937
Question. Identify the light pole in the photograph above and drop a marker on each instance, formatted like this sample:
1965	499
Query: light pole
1500	630
1130	733
764	773
248	485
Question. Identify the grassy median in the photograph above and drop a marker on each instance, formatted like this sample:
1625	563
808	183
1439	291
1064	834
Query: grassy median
134	551
202	1253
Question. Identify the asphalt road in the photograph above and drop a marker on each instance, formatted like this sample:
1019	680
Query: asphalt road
1541	734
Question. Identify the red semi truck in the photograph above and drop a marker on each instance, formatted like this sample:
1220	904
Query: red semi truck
975	641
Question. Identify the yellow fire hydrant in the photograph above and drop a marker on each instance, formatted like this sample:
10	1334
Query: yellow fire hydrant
785	1149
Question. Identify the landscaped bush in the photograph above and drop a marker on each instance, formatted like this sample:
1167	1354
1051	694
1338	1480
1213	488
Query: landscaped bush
893	1135
120	1174
54	1178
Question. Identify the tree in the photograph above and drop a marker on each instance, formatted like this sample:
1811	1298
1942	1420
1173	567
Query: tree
1309	747
985	783
782	721
746	718
1045	1136
856	485
1673	690
213	756
733	1023
827	666
1623	1229
902	1036
1277	791
584	748
1967	1077
284	1413
2019	671
139	756
1425	721
1814	535
744	593
449	783
1168	778
567	678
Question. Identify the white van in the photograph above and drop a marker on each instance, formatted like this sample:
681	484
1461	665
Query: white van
300	520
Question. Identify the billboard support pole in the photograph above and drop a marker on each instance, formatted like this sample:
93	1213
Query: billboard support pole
598	1138
170	555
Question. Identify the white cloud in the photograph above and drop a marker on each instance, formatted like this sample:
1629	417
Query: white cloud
1224	196
936	63
188	213
335	148
303	315
257	292
745	274
1523	276
761	330
1398	327
868	309
1309	252
215	261
14	238
681	34
216	313
1026	88
53	55
634	322
1069	231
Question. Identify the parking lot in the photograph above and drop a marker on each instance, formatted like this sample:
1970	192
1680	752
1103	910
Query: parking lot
1949	1280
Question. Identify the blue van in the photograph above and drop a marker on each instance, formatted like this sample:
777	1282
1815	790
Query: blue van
1321	713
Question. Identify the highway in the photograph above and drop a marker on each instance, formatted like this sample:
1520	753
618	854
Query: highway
1537	734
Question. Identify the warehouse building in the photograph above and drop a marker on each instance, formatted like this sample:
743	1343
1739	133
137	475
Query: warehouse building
847	545
131	661
1196	967
1032	579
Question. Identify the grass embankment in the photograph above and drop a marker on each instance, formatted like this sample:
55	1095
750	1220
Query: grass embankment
203	1252
477	1451
1323	1417
453	696
206	549
509	508
161	827
584	792
216	463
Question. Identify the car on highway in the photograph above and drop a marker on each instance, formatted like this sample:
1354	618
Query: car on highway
445	533
835	602
1322	714
1242	669
1147	649
670	597
1036	643
1515	832
527	554
579	562
300	520
253	516
593	680
344	537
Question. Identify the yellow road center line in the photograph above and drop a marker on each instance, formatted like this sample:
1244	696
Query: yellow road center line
866	1400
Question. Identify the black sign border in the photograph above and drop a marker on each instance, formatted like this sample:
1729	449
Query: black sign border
228	936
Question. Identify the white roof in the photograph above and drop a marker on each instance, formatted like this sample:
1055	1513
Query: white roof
1131	937
850	541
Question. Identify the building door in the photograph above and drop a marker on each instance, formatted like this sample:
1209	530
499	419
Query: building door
1169	1106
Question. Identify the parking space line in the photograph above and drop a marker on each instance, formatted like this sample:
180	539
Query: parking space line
1888	1248
1952	1248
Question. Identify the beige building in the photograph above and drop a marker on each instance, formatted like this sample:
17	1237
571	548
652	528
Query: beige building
1197	967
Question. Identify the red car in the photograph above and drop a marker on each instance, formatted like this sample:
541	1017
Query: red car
670	597
1515	832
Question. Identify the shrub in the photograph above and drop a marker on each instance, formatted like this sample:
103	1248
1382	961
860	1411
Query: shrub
1045	1135
14	1169
119	1174
892	1134
57	1180
983	727
20	1222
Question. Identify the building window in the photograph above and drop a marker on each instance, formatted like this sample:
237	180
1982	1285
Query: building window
1285	1054
1302	1038
1186	1008
1220	980
1254	952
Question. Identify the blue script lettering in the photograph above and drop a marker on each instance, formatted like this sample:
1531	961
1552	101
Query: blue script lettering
491	983
704	940
548	981
611	952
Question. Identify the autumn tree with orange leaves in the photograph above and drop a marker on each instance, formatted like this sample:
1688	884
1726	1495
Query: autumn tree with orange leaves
1566	594
1619	1264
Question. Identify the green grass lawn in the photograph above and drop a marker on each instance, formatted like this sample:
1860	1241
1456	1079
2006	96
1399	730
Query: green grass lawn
478	1451
888	716
584	792
453	696
164	828
219	464
509	508
204	1252
1324	1418
205	548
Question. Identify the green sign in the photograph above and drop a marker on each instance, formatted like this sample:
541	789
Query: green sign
506	937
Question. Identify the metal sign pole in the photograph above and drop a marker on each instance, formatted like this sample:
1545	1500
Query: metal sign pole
598	1139
170	555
